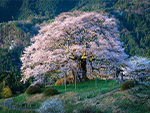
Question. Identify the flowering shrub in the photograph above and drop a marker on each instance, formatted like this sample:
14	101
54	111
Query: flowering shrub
51	106
138	67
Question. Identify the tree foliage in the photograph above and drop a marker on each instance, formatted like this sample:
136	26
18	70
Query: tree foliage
12	80
6	92
74	41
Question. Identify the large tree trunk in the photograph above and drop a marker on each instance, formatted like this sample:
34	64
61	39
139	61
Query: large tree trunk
82	66
84	70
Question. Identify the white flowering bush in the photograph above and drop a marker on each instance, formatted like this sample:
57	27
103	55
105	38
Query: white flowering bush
52	106
138	67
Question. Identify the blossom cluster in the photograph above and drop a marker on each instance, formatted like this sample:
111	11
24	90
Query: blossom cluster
51	106
137	67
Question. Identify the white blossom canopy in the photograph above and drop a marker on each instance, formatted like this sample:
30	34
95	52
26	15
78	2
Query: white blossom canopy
72	37
138	67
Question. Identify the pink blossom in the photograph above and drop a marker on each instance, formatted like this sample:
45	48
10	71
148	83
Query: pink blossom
71	37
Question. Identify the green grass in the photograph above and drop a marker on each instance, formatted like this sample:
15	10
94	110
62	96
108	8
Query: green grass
125	101
21	98
84	89
1	104
7	110
88	86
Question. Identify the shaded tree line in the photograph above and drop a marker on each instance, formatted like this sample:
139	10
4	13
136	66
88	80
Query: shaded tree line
10	81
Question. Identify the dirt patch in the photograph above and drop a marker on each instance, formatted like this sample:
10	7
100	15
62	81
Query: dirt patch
35	98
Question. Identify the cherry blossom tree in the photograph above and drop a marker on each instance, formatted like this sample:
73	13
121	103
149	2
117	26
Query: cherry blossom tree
75	41
137	67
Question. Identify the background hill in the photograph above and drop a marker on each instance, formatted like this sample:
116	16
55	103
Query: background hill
27	9
20	18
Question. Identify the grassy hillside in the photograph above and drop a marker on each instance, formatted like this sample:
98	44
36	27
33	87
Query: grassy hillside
70	96
135	100
28	9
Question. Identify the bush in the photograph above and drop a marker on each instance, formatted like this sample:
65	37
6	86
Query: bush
50	92
6	92
41	85
33	90
128	84
51	106
89	109
69	80
59	82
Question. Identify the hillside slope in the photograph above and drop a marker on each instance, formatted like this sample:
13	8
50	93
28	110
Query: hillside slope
28	9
